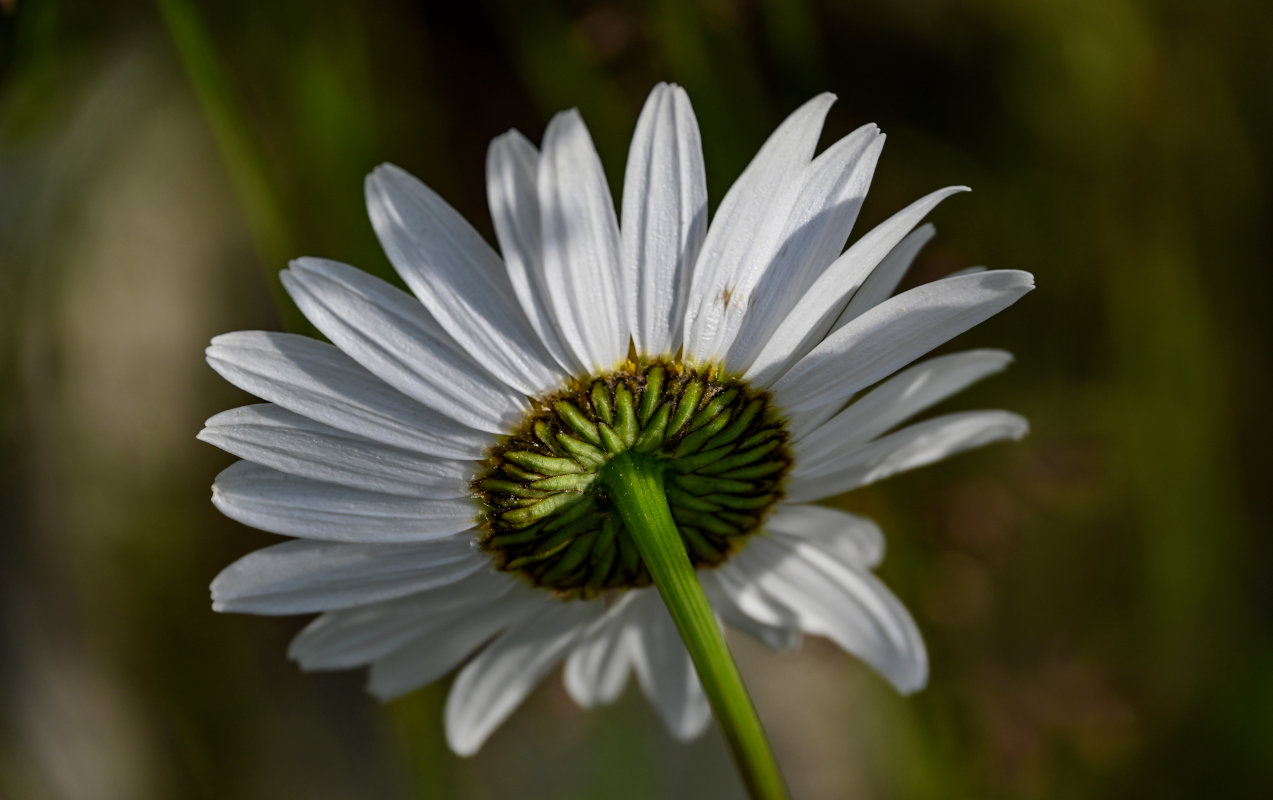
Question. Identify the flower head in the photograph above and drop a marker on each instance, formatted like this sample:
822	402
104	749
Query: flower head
437	462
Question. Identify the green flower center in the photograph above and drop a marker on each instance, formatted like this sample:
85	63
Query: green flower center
547	517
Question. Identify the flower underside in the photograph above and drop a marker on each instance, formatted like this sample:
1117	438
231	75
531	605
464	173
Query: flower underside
547	515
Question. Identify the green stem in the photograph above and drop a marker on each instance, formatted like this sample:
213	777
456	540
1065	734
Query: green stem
635	484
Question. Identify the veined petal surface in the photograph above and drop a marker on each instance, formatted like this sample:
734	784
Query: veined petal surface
664	219
512	167
896	400
580	236
436	652
275	437
812	317
853	539
351	637
393	336
893	334
458	278
830	195
280	503
884	279
843	602
918	445
497	680
318	381
301	577
747	224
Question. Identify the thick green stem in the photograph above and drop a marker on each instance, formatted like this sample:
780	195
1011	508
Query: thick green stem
635	484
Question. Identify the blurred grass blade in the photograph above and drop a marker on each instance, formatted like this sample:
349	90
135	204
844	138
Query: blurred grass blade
243	160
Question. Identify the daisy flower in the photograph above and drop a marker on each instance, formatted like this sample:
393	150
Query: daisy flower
442	464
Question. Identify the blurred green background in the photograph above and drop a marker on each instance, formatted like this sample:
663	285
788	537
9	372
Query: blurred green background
1097	599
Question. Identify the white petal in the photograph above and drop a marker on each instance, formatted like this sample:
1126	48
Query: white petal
391	334
747	223
883	280
895	400
497	680
911	447
581	245
318	381
831	194
301	577
280	503
430	656
736	579
274	437
665	672
512	167
812	317
458	277
853	539
597	669
893	334
351	637
664	218
779	638
845	603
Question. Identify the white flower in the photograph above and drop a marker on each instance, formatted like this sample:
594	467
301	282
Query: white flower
385	454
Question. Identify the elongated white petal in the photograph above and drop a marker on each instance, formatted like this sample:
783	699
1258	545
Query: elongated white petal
664	218
915	446
883	280
581	245
280	503
498	679
665	672
893	334
598	668
853	539
735	578
845	603
300	577
512	167
896	400
812	317
275	437
458	278
392	335
748	222
831	194
318	381
355	636
779	638
433	654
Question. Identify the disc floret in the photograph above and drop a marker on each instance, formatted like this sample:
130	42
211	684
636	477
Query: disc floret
546	516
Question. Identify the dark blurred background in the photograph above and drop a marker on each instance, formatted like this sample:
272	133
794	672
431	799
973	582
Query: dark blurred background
1097	599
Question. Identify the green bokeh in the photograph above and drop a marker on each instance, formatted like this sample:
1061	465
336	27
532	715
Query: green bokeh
1096	599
